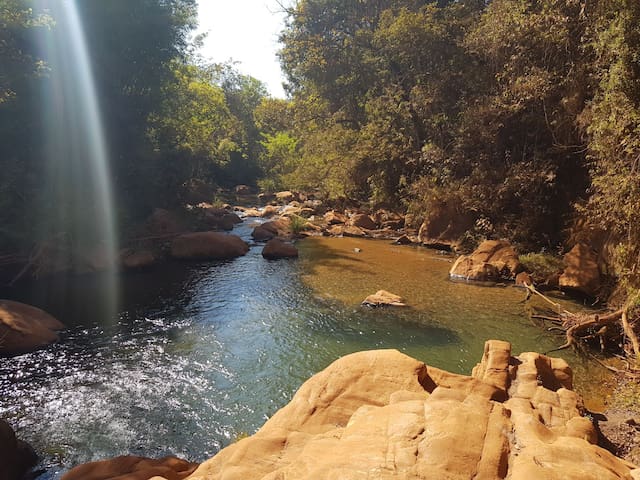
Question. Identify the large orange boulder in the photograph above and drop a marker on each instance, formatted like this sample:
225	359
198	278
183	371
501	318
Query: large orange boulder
383	415
24	328
208	245
132	468
492	260
581	271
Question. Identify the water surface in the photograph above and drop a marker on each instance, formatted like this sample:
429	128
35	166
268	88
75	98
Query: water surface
203	353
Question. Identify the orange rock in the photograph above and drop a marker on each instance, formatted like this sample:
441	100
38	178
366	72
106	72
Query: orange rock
276	248
383	415
384	298
24	328
581	272
132	468
492	260
208	245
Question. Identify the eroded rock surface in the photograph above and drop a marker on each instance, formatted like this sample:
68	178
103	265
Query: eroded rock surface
492	260
383	415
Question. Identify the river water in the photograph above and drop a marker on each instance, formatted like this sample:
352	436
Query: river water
202	354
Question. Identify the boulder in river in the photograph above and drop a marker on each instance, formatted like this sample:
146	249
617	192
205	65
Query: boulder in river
132	468
492	260
381	414
382	298
16	456
208	245
581	271
276	248
269	230
24	328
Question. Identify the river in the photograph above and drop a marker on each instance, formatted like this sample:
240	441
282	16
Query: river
202	354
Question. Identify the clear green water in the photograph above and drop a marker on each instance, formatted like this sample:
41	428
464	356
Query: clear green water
203	353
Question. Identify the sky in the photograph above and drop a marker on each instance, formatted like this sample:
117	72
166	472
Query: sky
245	31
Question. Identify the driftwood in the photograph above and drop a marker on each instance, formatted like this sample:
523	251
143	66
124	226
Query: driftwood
580	327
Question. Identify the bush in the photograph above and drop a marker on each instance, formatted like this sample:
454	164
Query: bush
541	265
298	224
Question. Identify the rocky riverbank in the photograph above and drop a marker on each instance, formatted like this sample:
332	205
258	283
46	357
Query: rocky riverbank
381	414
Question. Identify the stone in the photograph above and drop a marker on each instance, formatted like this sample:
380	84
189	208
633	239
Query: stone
581	271
335	218
208	245
385	216
16	457
382	298
252	212
242	190
345	231
403	240
446	221
383	415
269	211
523	278
266	197
285	196
363	221
132	468
137	259
492	260
24	328
276	248
269	230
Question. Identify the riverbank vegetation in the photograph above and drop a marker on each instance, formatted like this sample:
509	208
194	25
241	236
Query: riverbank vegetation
521	115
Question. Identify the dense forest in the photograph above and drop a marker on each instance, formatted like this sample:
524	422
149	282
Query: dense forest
522	116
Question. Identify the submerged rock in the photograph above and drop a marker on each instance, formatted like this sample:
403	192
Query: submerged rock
24	328
208	245
132	468
383	415
276	248
492	260
16	456
382	298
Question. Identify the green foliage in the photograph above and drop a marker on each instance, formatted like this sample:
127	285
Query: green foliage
613	124
541	265
194	125
298	224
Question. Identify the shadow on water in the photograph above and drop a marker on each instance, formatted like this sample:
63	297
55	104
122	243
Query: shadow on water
201	353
